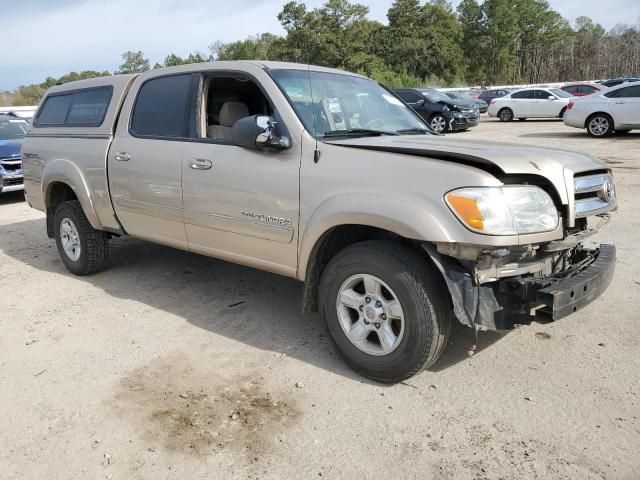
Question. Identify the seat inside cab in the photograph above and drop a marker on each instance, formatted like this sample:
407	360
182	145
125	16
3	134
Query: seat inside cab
227	100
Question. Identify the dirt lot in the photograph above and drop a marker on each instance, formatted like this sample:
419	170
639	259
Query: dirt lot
172	365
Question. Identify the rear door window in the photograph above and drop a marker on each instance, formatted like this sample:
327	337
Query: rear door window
524	94
165	108
627	92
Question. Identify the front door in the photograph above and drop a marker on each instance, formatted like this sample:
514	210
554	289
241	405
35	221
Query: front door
240	204
145	158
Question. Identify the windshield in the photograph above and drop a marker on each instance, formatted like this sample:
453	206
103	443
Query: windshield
12	128
332	103
435	96
561	93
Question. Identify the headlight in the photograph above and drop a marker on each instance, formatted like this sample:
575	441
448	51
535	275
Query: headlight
445	108
508	210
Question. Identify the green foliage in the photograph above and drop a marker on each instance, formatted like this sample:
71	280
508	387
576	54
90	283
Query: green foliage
134	62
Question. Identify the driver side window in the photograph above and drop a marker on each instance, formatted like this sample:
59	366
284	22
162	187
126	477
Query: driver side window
225	100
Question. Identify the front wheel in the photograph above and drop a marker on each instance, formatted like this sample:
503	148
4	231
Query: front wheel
386	308
83	249
438	123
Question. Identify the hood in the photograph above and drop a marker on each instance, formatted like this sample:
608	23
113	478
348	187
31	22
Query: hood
460	102
10	148
499	159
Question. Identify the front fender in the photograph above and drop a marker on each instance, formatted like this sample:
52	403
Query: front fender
64	171
388	213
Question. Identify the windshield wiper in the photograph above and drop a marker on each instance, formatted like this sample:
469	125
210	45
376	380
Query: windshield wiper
357	131
416	130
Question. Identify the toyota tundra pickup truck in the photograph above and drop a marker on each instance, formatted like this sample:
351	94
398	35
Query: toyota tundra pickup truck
327	177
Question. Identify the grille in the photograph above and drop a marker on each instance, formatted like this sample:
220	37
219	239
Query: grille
11	163
10	182
594	194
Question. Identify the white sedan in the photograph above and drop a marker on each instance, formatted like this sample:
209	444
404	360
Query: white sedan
616	109
530	103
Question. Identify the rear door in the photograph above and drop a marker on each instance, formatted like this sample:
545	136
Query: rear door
625	105
522	104
146	154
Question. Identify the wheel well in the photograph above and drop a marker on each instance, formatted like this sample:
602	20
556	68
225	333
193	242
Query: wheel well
330	244
588	119
57	193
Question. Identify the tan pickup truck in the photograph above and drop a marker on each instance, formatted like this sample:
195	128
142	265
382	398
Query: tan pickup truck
327	177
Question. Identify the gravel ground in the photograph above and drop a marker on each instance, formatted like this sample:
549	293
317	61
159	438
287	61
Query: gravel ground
173	365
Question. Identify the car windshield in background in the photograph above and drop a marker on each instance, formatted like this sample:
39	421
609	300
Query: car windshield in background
12	128
465	95
331	104
561	93
435	96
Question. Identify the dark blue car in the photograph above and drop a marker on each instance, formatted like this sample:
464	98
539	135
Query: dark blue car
13	129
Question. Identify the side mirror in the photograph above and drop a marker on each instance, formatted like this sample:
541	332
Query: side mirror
258	132
551	97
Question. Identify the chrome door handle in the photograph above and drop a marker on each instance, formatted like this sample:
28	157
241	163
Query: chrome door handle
122	157
200	164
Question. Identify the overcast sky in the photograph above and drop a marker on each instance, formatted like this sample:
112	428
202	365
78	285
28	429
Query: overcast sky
43	38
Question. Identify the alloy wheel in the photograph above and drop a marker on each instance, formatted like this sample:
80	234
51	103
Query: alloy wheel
370	314
70	239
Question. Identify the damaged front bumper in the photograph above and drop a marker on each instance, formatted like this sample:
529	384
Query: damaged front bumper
504	303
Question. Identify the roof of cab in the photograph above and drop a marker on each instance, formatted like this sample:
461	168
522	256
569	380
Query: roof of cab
120	81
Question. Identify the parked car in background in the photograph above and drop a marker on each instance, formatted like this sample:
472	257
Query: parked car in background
13	130
25	112
470	97
442	113
615	110
582	89
614	82
489	95
530	103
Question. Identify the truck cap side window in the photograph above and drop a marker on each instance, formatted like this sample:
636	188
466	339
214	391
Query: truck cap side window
163	107
81	108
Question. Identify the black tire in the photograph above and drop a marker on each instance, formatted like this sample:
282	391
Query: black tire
600	125
94	244
505	114
419	288
440	120
562	112
522	119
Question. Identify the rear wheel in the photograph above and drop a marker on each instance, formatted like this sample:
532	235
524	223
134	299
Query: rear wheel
387	309
600	125
438	123
505	115
83	249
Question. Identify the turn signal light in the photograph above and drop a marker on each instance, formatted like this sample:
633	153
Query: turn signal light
468	210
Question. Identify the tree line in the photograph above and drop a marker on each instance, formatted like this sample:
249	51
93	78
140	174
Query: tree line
424	43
